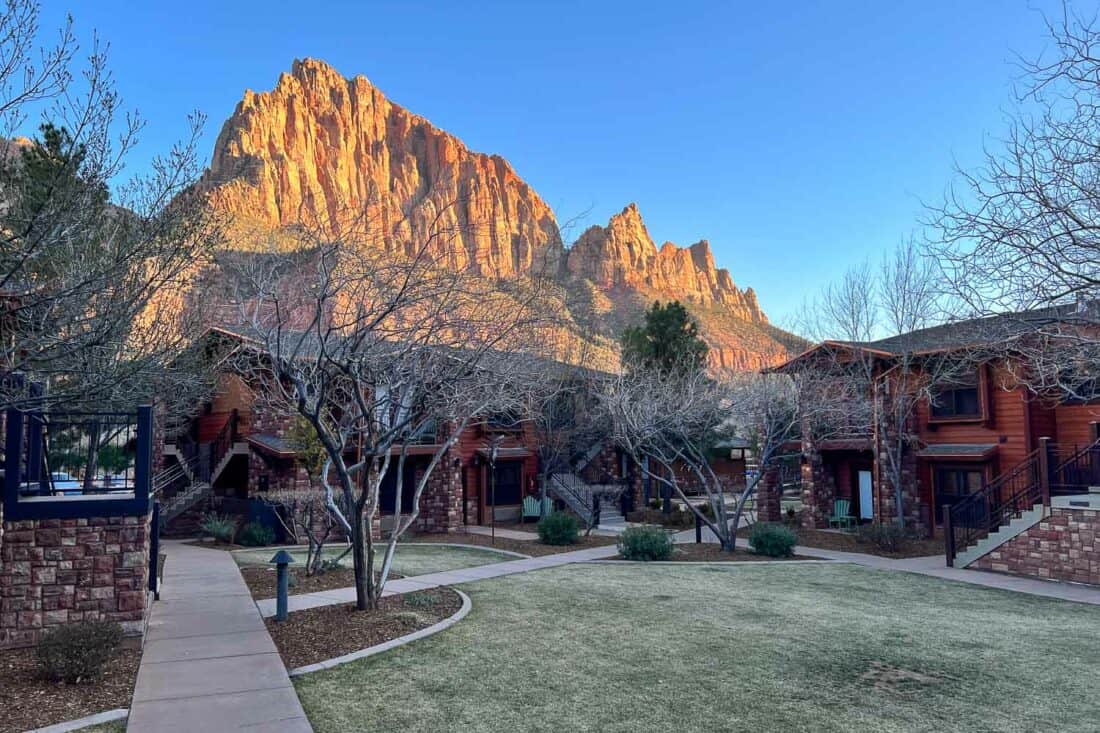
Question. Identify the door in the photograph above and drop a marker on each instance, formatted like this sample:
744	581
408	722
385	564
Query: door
866	496
954	483
507	489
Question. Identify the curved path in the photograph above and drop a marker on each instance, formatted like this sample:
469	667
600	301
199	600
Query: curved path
209	663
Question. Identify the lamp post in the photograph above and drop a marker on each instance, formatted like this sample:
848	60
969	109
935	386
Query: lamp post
494	448
282	560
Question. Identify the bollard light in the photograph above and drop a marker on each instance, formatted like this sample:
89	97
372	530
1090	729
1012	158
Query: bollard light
282	560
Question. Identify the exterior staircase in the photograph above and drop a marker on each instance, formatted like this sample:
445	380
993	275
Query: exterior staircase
581	497
1020	498
1019	524
183	501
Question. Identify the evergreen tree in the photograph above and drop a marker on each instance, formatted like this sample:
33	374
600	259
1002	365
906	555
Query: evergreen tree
668	341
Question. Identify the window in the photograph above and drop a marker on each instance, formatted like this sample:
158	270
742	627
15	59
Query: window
957	401
954	483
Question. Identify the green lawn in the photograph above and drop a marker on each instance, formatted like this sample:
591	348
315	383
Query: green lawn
410	559
742	648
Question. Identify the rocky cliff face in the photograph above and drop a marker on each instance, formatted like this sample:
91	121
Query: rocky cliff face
622	254
319	146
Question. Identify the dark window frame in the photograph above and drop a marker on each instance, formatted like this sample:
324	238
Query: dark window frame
947	403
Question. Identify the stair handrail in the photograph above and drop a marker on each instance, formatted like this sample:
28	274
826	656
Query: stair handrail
582	497
1029	483
1065	473
165	478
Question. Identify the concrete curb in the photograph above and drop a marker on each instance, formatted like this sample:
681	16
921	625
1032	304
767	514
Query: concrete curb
392	643
97	719
711	562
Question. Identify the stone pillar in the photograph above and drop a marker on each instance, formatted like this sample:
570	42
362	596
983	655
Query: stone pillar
768	506
441	502
818	489
908	487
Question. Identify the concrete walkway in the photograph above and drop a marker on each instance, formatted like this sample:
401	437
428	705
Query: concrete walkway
209	663
934	566
449	577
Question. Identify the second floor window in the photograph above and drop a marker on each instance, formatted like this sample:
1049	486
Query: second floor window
958	400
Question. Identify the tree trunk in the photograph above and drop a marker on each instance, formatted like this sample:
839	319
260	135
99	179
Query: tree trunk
360	564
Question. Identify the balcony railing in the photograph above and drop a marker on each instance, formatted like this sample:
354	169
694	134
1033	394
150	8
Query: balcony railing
68	464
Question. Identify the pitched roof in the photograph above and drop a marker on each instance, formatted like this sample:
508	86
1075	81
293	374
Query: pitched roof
970	332
966	333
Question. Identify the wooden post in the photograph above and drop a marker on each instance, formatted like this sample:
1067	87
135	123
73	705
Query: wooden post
1094	453
948	536
1044	470
143	461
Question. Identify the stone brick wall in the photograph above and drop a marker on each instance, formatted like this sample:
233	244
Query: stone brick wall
1064	546
58	571
441	502
818	488
768	504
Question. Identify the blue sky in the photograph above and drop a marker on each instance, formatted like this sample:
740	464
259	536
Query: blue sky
797	137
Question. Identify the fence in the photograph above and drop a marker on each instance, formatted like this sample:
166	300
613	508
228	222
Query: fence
73	465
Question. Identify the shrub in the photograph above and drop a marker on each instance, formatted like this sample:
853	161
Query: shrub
773	540
558	528
645	543
256	534
886	536
706	510
221	527
654	503
77	652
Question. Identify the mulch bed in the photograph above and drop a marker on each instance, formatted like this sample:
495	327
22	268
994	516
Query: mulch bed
710	552
525	547
675	520
845	542
317	634
29	701
848	543
263	581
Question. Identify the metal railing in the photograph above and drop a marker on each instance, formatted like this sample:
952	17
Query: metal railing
1050	469
582	497
77	459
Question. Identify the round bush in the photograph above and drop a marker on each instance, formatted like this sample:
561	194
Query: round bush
256	534
558	528
645	543
773	540
77	652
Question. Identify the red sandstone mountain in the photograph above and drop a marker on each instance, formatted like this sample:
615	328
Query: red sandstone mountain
319	144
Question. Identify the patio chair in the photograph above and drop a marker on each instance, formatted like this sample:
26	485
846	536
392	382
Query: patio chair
531	508
547	506
842	514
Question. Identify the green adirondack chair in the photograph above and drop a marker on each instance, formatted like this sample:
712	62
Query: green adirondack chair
547	506
531	508
842	514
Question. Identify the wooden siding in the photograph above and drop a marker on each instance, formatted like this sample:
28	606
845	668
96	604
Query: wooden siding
1074	423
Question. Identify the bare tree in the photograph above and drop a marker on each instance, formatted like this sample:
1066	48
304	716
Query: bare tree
377	349
304	511
1019	236
675	420
90	267
871	322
